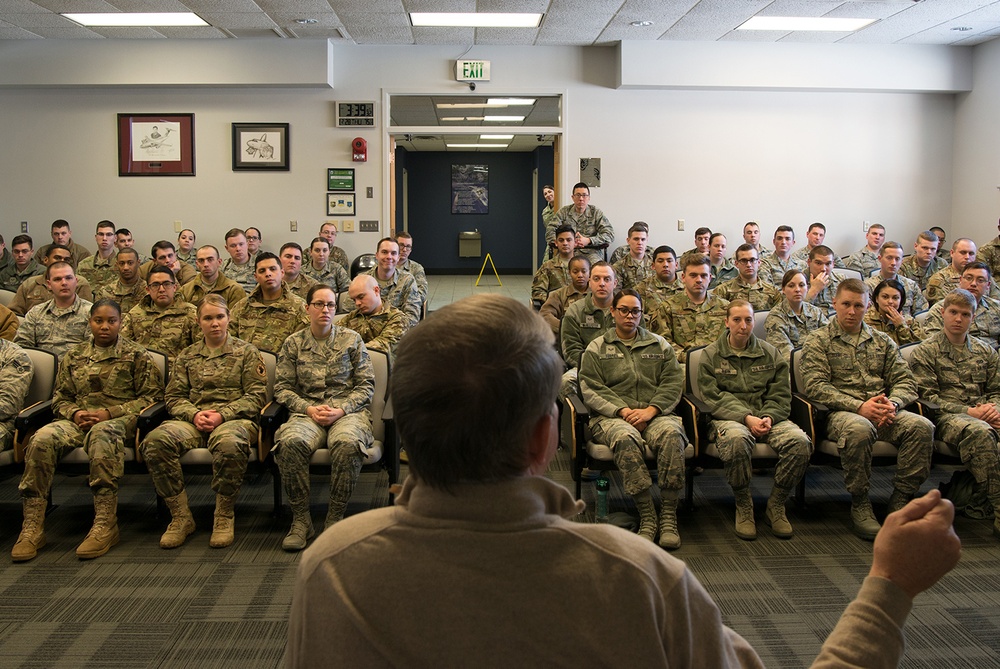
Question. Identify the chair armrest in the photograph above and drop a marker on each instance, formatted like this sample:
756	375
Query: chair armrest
387	414
272	416
929	410
148	419
572	426
27	422
809	415
687	409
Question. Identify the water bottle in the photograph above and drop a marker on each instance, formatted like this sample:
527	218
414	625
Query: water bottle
601	512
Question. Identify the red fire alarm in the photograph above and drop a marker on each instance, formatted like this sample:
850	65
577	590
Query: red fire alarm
360	147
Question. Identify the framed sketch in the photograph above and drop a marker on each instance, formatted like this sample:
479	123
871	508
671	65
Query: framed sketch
340	178
260	146
340	204
470	189
154	145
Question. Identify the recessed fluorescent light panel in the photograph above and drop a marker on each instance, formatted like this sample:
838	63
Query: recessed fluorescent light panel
496	137
475	20
504	119
510	102
134	19
793	23
476	146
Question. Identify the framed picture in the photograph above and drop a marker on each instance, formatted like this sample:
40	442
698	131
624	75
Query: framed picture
260	146
340	178
340	204
470	189
155	145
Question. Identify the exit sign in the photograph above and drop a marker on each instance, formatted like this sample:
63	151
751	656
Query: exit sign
472	70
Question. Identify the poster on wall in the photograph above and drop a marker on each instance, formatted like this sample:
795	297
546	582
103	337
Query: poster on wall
470	189
590	172
155	145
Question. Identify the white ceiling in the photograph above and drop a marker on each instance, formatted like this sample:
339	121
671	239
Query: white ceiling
566	22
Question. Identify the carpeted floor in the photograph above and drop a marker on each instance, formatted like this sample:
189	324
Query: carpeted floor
140	606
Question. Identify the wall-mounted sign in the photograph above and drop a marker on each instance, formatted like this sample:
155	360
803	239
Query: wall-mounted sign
472	70
355	114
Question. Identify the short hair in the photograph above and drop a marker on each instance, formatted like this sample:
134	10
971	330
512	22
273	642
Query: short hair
703	231
160	269
213	300
691	259
817	225
753	223
315	288
290	245
187	230
821	250
603	263
549	186
57	265
123	231
206	246
259	235
126	251
625	292
59	223
322	240
789	275
162	245
853	285
47	253
784	228
638	226
738	302
265	255
960	297
743	248
22	239
234	232
890	245
105	224
877	225
564	228
978	264
937	228
332	224
895	284
664	249
402	234
384	240
928	236
106	302
581	185
714	235
501	354
578	258
954	244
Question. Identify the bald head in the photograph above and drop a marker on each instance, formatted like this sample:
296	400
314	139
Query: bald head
366	294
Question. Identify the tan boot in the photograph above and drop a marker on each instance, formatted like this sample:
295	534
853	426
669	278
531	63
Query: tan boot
670	538
32	536
104	533
302	526
863	518
647	515
223	532
775	513
897	500
746	528
181	521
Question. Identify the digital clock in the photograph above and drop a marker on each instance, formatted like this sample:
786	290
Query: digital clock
355	114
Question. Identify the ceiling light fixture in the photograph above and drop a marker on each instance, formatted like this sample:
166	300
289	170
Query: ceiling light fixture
476	146
475	19
812	23
641	24
136	19
504	119
306	22
510	102
496	137
962	29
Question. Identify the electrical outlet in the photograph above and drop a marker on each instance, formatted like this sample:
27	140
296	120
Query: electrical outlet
24	227
293	226
178	226
680	224
347	226
865	225
369	226
370	192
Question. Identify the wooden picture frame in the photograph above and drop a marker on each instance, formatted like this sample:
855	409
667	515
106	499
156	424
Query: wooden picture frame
155	145
340	204
261	147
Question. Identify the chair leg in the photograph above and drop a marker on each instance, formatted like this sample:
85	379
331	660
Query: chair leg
800	493
689	489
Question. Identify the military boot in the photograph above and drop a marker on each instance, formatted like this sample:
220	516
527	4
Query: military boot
863	518
302	526
32	535
104	534
670	538
746	528
775	513
223	531
181	521
647	515
897	500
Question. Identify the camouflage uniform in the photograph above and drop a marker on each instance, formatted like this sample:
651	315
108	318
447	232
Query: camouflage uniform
333	275
824	298
761	295
335	371
922	275
685	324
401	292
11	279
787	330
97	270
556	304
419	275
53	328
843	374
339	256
267	325
909	332
985	322
231	380
631	271
583	323
189	258
957	378
301	285
15	377
551	276
752	382
77	251
653	292
802	254
989	253
33	292
619	254
863	260
122	379
591	223
126	296
946	281
241	274
722	273
8	324
380	331
183	275
195	291
169	330
616	375
915	300
773	268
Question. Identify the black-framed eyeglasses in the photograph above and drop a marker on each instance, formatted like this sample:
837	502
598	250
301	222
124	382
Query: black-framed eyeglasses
320	306
624	311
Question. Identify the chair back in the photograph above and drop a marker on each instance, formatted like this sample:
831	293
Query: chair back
380	362
907	351
691	370
43	380
758	324
795	365
160	360
842	274
6	297
270	365
363	263
921	317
